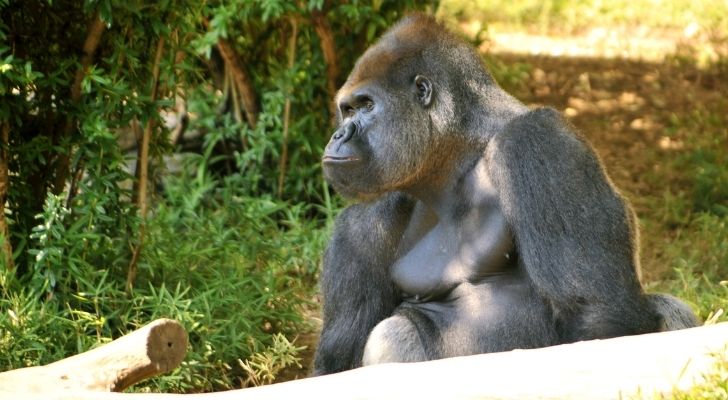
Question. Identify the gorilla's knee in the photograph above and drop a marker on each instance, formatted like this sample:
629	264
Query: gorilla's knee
674	313
394	340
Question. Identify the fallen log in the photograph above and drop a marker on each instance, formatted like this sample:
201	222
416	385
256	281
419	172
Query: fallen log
154	349
600	369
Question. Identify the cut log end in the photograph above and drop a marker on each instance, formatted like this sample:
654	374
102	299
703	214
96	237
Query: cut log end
154	349
166	345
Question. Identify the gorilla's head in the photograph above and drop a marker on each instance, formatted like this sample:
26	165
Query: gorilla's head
401	108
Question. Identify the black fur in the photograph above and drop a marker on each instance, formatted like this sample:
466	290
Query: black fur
482	226
572	228
355	282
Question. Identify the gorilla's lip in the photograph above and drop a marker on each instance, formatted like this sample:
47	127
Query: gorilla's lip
338	160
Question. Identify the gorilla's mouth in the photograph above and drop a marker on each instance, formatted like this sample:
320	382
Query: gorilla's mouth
339	160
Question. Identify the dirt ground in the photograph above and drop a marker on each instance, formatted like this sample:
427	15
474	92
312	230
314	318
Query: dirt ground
623	107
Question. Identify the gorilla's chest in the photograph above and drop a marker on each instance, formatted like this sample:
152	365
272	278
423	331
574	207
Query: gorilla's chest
436	256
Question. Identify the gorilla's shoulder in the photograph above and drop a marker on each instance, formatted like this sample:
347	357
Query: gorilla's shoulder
542	122
541	133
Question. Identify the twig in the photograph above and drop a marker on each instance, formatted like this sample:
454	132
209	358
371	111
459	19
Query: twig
143	170
287	109
75	179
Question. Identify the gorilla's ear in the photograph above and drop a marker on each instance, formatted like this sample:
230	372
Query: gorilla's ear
424	90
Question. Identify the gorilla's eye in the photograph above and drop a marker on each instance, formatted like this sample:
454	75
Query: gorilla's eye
368	105
347	111
360	103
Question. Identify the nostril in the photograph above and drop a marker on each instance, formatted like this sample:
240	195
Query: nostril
349	131
345	133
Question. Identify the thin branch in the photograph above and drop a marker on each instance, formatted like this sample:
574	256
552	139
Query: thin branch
75	180
90	45
7	247
287	108
143	170
95	30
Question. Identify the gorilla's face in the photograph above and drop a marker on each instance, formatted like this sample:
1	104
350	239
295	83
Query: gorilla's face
384	135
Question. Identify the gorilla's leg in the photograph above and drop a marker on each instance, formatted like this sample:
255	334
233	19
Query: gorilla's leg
674	313
396	339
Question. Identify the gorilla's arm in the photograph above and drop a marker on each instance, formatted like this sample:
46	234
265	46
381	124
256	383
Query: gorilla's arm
355	284
574	233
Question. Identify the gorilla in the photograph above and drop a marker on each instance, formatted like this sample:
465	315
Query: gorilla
481	225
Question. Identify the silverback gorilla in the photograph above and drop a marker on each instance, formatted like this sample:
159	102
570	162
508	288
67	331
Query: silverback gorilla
482	225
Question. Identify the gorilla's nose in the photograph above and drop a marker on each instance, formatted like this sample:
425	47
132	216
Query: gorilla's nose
341	149
345	133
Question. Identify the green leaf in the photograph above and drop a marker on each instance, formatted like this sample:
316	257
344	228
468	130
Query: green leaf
106	12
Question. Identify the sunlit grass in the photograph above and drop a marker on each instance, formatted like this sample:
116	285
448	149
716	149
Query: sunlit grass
575	15
697	30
